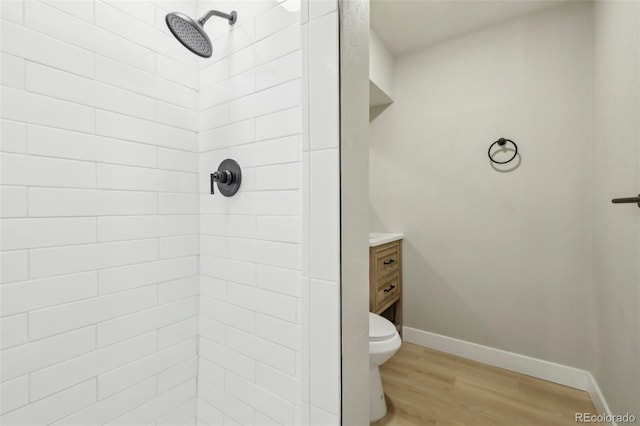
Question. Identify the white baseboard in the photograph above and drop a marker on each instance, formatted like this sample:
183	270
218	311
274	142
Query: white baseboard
597	398
557	373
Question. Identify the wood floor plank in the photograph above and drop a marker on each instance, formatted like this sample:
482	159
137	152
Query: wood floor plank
424	387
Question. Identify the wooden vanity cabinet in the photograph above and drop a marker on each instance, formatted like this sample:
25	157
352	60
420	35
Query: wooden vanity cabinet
385	281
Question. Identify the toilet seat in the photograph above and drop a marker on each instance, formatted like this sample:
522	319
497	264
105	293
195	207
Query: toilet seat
380	328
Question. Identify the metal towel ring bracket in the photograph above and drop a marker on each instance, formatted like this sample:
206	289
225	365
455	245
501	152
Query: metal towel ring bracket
502	142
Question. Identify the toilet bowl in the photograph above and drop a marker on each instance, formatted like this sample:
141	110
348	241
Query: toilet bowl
384	342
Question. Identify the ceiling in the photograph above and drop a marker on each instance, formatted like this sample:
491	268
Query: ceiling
410	25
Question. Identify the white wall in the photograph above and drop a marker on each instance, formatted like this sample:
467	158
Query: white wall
269	293
616	236
99	215
354	220
500	259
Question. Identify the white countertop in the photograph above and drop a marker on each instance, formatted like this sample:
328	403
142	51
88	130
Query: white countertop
377	238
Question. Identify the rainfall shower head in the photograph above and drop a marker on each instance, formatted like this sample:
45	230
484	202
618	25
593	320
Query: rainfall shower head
192	34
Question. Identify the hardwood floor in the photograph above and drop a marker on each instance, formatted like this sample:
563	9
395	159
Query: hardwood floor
425	387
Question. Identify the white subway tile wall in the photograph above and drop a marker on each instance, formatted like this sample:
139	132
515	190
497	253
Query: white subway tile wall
269	290
130	295
250	244
99	228
321	227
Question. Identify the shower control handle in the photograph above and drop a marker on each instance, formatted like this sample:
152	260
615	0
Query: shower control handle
635	200
221	176
228	178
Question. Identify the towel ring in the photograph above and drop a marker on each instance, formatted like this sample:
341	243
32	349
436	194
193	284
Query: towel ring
502	142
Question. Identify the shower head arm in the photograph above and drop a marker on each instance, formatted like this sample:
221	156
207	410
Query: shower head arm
231	17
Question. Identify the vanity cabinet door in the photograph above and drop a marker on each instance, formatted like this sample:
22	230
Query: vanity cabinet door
385	275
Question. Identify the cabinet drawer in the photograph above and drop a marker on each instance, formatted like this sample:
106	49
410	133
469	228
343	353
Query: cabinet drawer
388	291
387	261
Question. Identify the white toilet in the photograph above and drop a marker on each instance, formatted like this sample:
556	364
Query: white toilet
384	341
